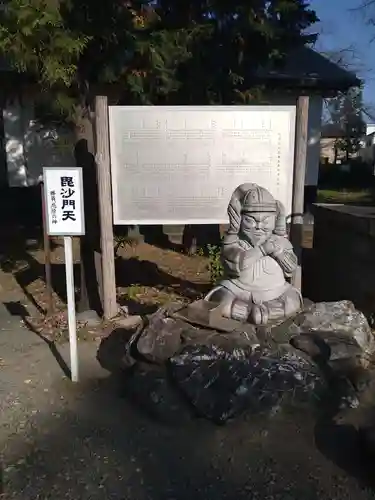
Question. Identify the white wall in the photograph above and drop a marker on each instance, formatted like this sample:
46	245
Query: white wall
367	151
30	146
14	144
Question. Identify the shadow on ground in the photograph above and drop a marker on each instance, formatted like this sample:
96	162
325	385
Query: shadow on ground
87	441
129	272
323	443
191	236
32	270
144	273
18	310
341	445
96	445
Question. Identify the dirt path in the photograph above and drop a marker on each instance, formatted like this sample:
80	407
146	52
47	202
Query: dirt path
85	441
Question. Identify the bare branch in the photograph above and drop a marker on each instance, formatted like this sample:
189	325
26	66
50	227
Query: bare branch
367	10
364	5
348	58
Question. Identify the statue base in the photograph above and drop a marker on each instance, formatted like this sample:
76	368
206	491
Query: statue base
224	367
209	315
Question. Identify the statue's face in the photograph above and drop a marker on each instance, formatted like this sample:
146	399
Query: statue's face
257	227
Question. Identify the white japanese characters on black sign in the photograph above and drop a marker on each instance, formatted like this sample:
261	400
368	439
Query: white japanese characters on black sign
63	191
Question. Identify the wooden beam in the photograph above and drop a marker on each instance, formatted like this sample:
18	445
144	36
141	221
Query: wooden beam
103	163
299	174
47	255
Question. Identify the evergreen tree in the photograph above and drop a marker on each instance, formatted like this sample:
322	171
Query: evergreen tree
157	51
236	38
150	51
70	49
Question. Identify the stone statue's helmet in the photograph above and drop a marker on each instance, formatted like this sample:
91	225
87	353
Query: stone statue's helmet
254	198
258	199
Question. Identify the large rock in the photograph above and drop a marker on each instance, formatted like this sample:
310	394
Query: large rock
164	336
221	385
238	343
337	330
222	374
116	352
161	337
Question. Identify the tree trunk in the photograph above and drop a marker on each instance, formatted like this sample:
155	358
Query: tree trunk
90	255
335	151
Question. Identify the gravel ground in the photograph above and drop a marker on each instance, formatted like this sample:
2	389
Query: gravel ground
60	440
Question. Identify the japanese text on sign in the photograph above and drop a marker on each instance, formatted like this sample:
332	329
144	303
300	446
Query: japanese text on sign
64	201
181	164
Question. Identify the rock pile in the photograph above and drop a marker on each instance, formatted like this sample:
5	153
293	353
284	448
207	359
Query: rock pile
172	367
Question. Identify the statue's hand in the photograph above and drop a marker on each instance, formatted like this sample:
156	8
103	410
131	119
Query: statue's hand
272	247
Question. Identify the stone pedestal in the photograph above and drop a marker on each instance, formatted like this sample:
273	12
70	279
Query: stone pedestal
223	372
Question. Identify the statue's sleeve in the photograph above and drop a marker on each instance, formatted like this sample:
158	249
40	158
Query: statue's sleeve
232	257
286	258
237	255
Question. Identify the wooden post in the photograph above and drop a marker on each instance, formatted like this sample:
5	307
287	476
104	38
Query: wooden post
299	174
90	252
103	163
47	255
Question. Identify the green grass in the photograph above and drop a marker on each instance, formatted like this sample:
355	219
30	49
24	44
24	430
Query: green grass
346	196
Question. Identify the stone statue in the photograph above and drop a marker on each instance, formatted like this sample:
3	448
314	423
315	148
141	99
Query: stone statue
258	260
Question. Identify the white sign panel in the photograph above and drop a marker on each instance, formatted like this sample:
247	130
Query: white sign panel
63	191
180	165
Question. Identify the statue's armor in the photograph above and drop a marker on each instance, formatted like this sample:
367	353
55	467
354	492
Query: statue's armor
255	284
261	281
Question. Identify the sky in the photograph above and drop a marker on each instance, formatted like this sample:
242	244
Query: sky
340	28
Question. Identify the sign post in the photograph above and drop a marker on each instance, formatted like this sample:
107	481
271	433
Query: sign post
68	249
63	191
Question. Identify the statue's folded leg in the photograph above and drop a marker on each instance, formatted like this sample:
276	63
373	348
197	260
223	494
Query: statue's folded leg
263	313
224	297
293	301
231	306
289	303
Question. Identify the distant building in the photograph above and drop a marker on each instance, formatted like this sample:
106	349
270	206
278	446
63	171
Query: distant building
367	152
329	153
